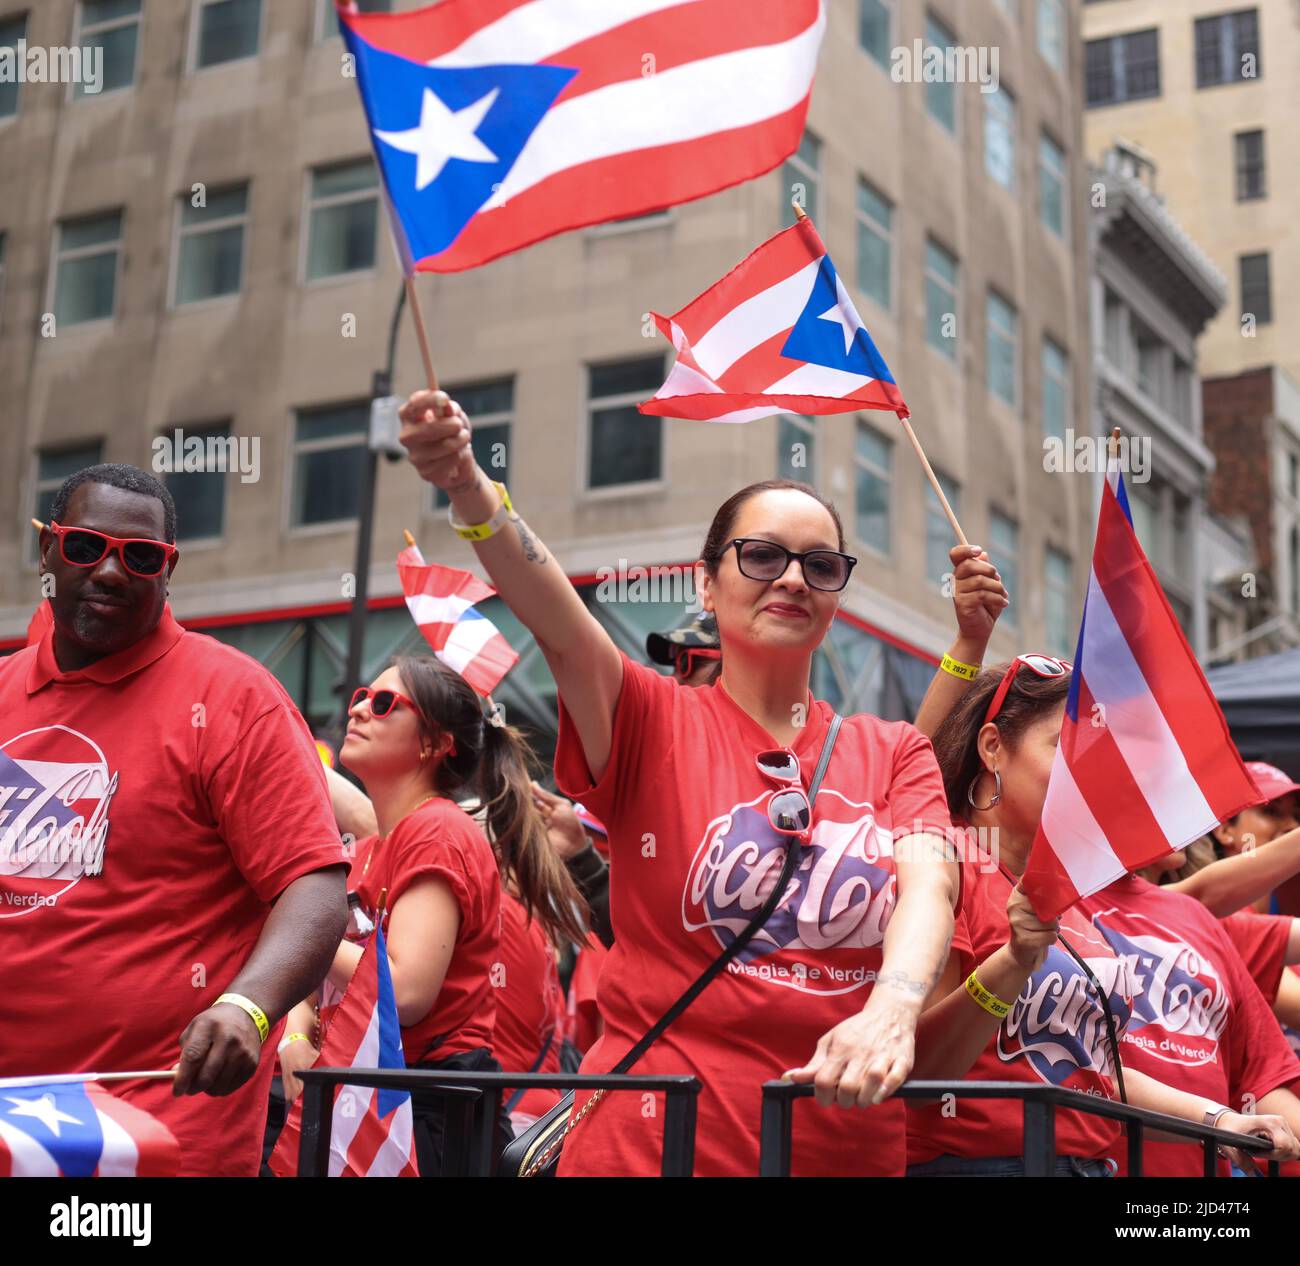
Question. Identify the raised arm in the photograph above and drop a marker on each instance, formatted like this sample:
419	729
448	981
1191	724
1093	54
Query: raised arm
1228	885
581	655
979	597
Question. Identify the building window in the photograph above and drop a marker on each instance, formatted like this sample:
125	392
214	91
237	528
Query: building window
327	22
941	299
796	448
624	446
873	457
1123	68
1001	342
329	461
1293	476
490	406
1000	137
342	217
114	26
1227	48
875	22
800	177
228	30
210	250
11	31
875	246
941	96
938	531
1056	604
1152	358
1004	552
53	466
1249	149
197	480
1056	389
85	287
1052	32
1256	294
1052	179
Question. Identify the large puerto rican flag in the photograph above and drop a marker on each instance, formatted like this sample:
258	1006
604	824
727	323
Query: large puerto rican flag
1145	763
498	123
372	1131
778	334
67	1127
441	601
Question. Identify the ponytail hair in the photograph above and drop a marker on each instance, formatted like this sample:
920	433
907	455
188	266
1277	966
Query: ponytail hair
494	763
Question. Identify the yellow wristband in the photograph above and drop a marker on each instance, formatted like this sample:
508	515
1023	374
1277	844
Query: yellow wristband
290	1039
990	1002
248	1005
482	531
967	672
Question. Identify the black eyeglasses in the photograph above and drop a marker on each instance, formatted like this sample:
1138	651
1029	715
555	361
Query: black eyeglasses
824	569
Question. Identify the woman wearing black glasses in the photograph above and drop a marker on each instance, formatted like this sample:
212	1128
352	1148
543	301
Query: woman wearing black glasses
704	792
417	738
1053	1003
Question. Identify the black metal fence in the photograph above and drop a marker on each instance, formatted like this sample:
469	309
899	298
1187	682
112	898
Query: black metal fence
472	1103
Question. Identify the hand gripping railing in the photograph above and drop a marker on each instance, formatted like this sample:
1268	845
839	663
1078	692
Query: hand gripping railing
472	1104
1040	1106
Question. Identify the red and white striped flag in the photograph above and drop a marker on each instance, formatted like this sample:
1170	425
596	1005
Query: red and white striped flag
1145	763
441	601
778	334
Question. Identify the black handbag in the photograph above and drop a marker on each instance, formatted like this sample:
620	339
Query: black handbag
536	1152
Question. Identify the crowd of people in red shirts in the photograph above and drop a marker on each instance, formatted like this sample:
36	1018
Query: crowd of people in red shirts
861	875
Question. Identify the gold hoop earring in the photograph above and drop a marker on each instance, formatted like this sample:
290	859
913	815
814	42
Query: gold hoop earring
997	791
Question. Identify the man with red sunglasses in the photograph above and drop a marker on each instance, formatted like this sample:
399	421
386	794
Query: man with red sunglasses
171	880
692	651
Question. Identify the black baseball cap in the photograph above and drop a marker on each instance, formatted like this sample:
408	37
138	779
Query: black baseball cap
698	633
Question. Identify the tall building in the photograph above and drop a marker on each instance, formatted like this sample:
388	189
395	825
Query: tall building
200	248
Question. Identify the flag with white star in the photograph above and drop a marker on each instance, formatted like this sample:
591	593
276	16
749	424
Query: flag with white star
499	124
69	1128
778	334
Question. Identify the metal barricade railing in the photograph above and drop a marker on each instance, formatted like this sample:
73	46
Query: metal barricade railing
1041	1104
472	1102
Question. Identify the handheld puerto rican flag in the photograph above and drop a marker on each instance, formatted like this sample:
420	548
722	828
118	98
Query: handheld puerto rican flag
68	1127
498	123
778	334
441	601
1145	763
372	1131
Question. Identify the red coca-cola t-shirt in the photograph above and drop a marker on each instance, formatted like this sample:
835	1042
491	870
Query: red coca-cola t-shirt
441	840
693	858
1261	940
1054	1034
530	1005
152	806
1199	1022
582	993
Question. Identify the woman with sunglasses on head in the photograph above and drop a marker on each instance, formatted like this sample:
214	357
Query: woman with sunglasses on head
418	740
705	793
1133	990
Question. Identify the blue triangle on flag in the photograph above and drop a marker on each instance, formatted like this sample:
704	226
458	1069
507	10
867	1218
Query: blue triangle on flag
390	1029
62	1120
820	334
413	103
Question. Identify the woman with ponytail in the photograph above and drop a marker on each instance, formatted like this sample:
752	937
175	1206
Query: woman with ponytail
418	740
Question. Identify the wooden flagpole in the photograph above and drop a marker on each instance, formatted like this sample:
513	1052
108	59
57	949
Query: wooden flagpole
413	299
801	214
66	1079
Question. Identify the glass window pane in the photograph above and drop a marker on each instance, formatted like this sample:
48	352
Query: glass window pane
796	448
219	204
626	377
1000	137
1051	184
343	422
874	206
873	472
200	495
330	182
327	485
491	445
625	447
873	29
342	238
118	42
93	231
1051	32
940	261
1001	348
328	23
86	288
11	31
228	30
490	397
55	467
1004	551
210	264
939	537
941	96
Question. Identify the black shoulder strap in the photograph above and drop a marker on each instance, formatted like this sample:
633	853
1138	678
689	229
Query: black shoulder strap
719	964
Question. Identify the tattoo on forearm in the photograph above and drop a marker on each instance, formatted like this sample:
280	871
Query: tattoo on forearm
900	980
534	550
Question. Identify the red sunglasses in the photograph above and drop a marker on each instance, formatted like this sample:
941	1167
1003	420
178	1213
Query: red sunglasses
788	811
382	702
1043	665
690	658
84	547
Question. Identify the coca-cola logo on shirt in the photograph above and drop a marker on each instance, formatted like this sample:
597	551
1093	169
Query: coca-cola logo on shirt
55	790
1058	1024
1175	990
840	896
